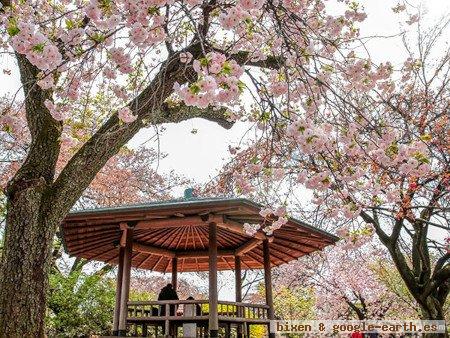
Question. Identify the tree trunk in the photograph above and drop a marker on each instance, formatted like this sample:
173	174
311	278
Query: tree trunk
432	309
25	263
30	222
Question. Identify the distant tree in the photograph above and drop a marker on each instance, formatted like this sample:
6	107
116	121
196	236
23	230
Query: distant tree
81	303
151	285
291	301
346	284
294	303
128	177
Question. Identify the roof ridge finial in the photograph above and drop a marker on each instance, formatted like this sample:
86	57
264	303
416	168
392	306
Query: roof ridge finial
189	193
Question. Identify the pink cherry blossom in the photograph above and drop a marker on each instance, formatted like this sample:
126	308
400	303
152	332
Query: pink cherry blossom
126	115
185	57
251	229
138	34
59	113
47	82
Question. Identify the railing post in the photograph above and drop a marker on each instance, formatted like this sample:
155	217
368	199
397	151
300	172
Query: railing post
122	330
213	308
166	322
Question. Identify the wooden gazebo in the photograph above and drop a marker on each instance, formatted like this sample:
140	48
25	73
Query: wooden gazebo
188	235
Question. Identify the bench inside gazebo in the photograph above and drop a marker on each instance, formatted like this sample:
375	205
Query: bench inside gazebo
188	235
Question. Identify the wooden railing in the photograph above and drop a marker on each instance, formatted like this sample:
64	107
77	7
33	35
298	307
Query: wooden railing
167	309
156	318
243	311
195	310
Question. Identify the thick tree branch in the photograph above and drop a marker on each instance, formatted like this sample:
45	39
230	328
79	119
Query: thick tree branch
245	58
396	231
151	109
40	163
423	250
438	280
96	152
217	115
441	261
403	268
369	219
396	254
357	310
443	291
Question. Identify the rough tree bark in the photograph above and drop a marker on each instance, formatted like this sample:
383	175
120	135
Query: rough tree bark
37	201
29	229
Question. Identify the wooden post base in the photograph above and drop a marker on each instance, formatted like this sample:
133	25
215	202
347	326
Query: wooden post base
213	333
121	333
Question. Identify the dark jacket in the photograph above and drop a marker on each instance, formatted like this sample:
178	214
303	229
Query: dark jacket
167	293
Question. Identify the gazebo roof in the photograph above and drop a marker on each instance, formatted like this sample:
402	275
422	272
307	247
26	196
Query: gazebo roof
179	228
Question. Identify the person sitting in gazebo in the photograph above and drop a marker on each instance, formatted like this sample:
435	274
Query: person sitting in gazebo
167	293
191	310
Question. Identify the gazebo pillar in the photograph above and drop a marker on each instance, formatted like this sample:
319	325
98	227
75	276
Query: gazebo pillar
174	273
125	290
213	297
238	278
268	283
118	291
238	287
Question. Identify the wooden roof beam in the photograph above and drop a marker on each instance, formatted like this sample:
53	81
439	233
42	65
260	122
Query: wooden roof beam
238	228
248	246
174	222
144	248
149	249
169	222
204	253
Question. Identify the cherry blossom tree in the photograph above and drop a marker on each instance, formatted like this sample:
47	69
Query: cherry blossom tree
346	284
152	62
371	152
